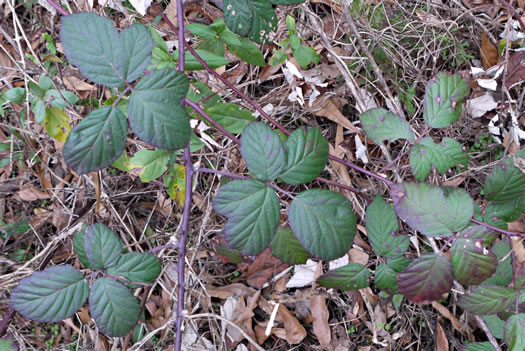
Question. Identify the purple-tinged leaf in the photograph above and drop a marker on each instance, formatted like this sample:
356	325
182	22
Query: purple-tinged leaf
252	209
353	276
263	151
443	98
381	228
427	278
324	222
380	125
487	299
51	295
432	210
287	248
515	332
102	246
472	261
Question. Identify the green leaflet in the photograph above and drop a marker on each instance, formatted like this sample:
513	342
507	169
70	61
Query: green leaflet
152	162
380	125
102	247
487	299
113	307
386	279
515	332
503	275
381	225
506	183
51	295
443	156
137	267
230	116
353	276
252	209
471	261
443	98
262	151
252	18
324	222
96	141
78	245
120	57
307	154
155	111
287	248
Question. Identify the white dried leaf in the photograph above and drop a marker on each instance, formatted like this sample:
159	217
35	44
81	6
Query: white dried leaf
360	152
303	275
141	5
477	107
338	262
490	84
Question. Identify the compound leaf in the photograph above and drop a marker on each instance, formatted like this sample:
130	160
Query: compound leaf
307	154
324	222
287	248
51	295
505	183
426	279
155	111
380	125
113	307
247	51
252	18
153	163
353	276
93	44
263	151
96	141
252	209
443	156
487	299
232	117
102	246
137	267
443	98
515	332
381	227
386	279
471	261
432	210
503	275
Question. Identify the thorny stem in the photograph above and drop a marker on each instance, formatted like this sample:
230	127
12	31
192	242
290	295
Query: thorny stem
5	322
499	230
187	202
128	88
57	7
201	112
223	173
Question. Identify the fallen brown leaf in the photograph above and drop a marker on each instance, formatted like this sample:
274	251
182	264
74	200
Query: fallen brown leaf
442	341
320	319
448	315
263	268
489	53
327	108
29	192
295	332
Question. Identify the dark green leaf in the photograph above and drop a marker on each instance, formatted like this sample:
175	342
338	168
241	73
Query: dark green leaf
78	245
386	279
287	2
487	299
51	295
506	211
432	210
324	222
201	30
137	267
381	227
287	248
471	260
443	98
398	264
16	95
353	276
155	112
381	125
93	44
113	307
515	332
252	18
426	279
252	209
247	51
262	151
230	38
232	117
503	275
443	156
102	246
96	141
477	232
305	55
505	183
307	154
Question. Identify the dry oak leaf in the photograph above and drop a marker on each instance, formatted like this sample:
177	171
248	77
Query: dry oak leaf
295	332
29	192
